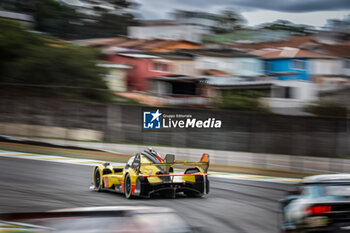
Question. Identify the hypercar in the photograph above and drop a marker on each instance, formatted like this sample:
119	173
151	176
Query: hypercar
147	174
322	205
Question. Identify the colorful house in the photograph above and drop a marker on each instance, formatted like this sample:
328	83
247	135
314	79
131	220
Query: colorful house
143	67
342	51
297	64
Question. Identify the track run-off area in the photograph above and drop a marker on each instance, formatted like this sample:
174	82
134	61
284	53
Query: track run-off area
236	202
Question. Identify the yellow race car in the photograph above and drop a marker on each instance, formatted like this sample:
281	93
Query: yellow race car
147	174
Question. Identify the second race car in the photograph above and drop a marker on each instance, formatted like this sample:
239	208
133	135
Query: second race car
322	205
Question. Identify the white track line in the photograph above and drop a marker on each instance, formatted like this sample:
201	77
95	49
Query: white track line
92	162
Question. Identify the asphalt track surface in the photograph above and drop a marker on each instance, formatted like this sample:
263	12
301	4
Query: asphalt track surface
231	206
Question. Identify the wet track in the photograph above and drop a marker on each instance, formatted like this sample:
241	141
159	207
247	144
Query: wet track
231	206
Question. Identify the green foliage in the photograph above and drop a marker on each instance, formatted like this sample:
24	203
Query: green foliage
241	100
283	25
54	18
62	21
327	107
14	42
32	63
228	21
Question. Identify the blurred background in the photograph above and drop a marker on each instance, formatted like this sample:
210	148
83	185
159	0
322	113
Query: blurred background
82	70
79	74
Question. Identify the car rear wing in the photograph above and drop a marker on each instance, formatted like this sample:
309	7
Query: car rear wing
170	161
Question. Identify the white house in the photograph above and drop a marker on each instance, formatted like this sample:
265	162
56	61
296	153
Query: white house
230	61
116	77
191	33
291	96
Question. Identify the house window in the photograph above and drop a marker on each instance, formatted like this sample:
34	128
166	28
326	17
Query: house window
298	64
347	64
158	66
268	66
287	92
186	68
283	92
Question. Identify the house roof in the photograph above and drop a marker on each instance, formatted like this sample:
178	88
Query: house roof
101	41
173	55
132	44
154	44
288	52
339	50
215	72
217	52
293	41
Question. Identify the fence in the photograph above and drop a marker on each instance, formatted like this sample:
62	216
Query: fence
246	132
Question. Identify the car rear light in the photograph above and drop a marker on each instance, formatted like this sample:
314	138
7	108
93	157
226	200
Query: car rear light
319	209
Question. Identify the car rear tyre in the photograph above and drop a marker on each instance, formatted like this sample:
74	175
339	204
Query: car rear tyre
97	180
127	186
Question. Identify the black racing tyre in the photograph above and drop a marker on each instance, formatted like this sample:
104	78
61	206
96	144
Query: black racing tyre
127	186
97	180
280	218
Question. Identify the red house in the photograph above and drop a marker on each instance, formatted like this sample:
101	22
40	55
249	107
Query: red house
143	67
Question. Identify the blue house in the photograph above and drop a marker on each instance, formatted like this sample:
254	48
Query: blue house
289	63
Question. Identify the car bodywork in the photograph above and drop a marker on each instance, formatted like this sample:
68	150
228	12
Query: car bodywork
322	205
145	174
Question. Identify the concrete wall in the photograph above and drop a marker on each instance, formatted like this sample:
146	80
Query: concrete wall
240	66
50	132
249	132
234	158
325	67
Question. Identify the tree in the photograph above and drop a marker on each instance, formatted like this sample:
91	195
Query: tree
55	19
40	65
284	25
228	21
65	22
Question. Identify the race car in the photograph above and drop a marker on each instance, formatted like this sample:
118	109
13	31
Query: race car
322	205
147	174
